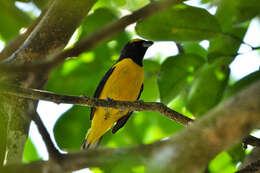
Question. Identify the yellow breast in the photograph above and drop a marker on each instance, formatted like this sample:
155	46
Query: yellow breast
125	81
123	84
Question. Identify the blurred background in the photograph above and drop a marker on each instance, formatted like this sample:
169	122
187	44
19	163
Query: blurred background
170	77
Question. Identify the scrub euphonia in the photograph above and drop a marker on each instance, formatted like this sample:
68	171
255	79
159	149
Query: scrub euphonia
124	82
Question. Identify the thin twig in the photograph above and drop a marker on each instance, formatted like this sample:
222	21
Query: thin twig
212	130
94	102
251	140
96	37
180	48
52	150
255	48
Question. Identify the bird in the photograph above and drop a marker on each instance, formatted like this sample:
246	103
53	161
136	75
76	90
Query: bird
122	82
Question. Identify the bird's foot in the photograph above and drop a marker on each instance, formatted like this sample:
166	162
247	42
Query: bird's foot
109	99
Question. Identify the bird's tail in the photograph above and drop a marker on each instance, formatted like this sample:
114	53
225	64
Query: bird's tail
87	144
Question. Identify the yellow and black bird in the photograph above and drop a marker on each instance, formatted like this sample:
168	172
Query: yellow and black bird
124	82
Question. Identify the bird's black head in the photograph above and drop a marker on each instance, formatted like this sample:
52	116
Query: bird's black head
135	49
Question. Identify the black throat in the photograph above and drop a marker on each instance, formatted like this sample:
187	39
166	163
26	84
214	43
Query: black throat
136	55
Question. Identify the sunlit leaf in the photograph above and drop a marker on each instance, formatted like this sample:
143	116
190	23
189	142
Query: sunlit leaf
135	4
40	3
208	86
70	129
178	24
151	71
227	44
195	49
176	73
222	163
119	2
242	83
12	20
237	153
30	153
81	75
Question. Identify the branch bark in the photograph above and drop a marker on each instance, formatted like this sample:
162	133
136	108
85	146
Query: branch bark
251	163
50	35
94	102
211	133
53	31
97	37
19	40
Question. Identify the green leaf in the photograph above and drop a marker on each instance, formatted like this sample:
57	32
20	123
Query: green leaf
76	75
70	129
97	20
159	127
205	1
81	76
195	49
40	3
129	135
242	83
178	24
226	10
176	73
151	71
30	153
119	3
246	10
141	128
227	44
135	4
208	87
237	153
233	12
12	20
222	163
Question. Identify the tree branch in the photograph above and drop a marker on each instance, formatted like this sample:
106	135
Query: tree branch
249	161
53	31
19	40
50	35
252	167
96	37
94	102
52	150
251	140
210	133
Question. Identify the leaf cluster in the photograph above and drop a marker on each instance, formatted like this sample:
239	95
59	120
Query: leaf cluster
192	82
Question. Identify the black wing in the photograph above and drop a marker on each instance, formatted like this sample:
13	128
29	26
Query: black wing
121	122
100	88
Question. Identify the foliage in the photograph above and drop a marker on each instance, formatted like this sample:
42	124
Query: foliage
192	82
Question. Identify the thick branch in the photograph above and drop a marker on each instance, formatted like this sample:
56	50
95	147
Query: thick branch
53	31
253	167
251	162
50	35
19	40
212	133
93	102
97	37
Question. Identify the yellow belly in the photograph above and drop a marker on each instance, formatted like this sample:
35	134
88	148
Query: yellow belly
124	84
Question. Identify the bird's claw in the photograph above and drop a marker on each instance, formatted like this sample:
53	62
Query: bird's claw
109	99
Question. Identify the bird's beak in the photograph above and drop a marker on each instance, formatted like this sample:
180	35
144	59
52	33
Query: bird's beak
147	43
